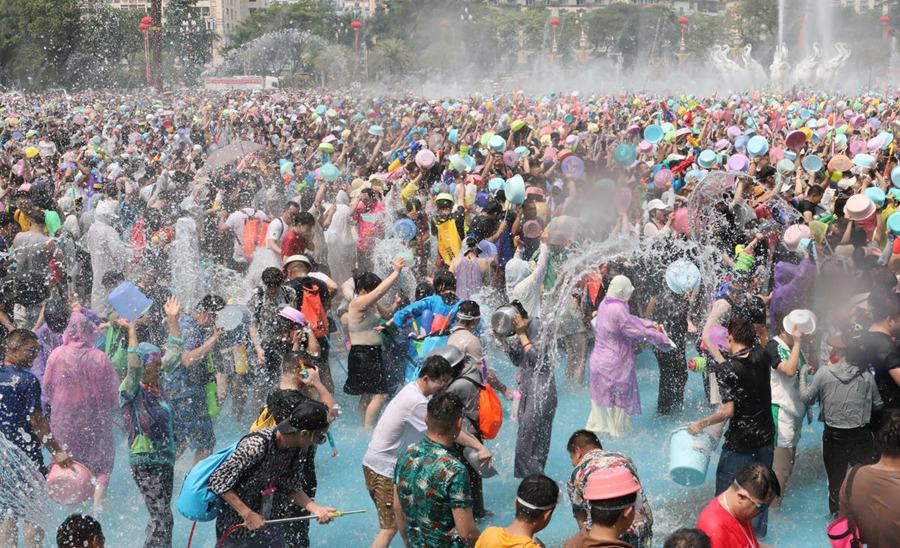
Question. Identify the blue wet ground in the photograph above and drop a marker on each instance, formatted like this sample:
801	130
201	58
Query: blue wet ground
800	523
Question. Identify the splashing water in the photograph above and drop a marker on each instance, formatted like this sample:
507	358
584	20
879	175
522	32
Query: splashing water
23	490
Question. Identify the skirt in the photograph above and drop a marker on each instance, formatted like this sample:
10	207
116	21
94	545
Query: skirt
366	373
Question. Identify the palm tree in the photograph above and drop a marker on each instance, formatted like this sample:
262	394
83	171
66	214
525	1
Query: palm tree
390	56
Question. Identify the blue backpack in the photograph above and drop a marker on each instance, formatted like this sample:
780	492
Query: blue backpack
196	502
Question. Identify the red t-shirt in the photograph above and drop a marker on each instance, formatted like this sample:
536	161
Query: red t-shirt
293	244
723	529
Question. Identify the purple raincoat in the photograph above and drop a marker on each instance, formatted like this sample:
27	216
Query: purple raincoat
83	389
613	378
791	288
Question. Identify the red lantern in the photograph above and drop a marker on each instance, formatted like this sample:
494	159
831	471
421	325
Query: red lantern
147	20
143	27
554	21
801	20
355	24
885	21
683	20
443	23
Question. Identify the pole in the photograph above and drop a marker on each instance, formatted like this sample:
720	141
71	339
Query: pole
147	57
333	514
155	41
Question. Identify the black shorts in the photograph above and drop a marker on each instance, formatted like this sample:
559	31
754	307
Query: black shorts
366	373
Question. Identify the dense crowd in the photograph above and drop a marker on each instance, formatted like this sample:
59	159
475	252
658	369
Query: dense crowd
161	255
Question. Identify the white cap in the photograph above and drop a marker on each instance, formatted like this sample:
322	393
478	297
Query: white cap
656	203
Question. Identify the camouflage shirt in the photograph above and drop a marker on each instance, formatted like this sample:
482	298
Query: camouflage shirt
431	481
640	534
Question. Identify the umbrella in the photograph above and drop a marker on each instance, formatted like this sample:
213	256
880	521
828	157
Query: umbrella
229	154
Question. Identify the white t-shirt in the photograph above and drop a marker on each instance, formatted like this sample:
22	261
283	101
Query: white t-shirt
236	222
401	425
277	231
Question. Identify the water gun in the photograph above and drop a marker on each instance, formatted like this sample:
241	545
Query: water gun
744	259
697	365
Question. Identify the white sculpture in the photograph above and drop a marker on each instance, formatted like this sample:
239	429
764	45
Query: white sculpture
780	69
805	71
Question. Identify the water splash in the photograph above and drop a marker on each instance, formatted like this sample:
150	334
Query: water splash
23	490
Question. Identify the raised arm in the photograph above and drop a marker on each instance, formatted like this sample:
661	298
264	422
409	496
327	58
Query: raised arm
369	299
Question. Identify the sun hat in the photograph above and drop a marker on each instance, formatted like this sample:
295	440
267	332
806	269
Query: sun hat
682	276
859	207
802	319
793	234
840	162
292	314
610	483
706	159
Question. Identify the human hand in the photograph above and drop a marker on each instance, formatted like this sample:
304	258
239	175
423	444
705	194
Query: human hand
485	458
172	307
260	354
695	428
323	514
254	521
311	376
399	263
217	332
797	334
517	242
122	322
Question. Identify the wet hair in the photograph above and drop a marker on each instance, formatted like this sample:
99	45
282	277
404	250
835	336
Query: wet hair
413	204
883	305
272	276
759	480
18	337
36	216
367	281
424	289
741	330
688	538
888	437
304	218
444	411
291	204
211	303
608	511
444	280
436	368
112	278
56	314
469	309
493	206
814	191
77	531
520	308
281	403
536	490
582	439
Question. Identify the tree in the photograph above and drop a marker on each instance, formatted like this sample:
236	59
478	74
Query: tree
36	38
275	53
316	17
757	18
109	37
705	31
187	42
390	56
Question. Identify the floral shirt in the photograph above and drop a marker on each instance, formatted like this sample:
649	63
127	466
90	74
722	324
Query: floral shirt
431	481
640	534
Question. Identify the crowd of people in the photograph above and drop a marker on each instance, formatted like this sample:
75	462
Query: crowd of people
162	256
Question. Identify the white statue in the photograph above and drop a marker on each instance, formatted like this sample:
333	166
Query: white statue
752	67
805	72
780	69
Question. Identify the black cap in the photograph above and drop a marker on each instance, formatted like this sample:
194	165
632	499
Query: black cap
308	415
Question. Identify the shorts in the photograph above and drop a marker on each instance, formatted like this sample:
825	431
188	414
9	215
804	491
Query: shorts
381	489
366	373
787	427
192	424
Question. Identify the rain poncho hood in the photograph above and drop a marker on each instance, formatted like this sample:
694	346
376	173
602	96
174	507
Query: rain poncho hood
620	287
516	271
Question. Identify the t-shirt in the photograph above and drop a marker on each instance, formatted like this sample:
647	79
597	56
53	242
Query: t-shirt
879	354
401	425
293	244
723	529
235	222
277	231
20	396
744	380
876	497
496	537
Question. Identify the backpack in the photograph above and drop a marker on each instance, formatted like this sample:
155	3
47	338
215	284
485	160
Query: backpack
254	235
195	501
313	309
490	411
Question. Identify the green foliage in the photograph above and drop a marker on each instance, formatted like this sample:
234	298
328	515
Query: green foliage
756	18
186	42
704	31
108	42
36	38
315	16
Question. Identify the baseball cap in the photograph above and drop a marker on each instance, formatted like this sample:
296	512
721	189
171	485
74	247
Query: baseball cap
308	415
298	259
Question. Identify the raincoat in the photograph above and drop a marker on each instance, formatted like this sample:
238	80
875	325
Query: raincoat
108	254
523	284
614	388
83	390
791	288
341	241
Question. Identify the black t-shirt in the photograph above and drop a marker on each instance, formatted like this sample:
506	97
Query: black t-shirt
483	227
744	380
879	354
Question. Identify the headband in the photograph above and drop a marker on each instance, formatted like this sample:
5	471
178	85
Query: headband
533	507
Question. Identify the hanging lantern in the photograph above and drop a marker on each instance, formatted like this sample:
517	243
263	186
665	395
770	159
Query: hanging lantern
356	24
554	21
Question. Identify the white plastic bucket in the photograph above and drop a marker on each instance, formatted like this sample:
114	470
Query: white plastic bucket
689	457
